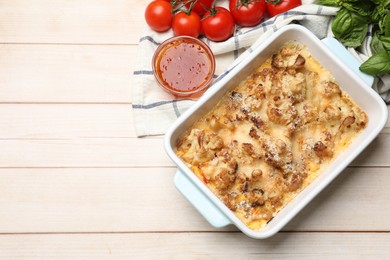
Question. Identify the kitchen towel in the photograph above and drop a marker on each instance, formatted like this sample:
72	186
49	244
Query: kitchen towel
154	110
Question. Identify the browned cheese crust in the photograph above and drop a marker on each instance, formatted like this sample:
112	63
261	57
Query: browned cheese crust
272	135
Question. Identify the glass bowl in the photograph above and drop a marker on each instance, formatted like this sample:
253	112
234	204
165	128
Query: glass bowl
183	66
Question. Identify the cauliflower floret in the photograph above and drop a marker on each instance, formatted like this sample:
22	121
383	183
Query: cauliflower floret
331	113
276	152
295	87
310	113
245	153
329	89
199	146
324	147
293	61
221	171
256	197
361	118
283	114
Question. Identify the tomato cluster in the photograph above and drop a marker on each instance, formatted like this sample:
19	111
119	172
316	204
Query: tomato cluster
193	17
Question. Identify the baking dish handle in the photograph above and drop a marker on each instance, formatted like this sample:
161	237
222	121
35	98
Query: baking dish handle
347	58
196	197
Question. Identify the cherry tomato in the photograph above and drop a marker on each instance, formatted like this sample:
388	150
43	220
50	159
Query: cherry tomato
186	24
158	15
247	12
218	24
201	6
275	7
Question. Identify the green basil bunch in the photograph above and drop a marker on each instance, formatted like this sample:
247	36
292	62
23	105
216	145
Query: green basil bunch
351	24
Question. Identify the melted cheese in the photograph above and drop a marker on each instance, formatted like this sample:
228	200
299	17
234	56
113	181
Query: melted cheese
272	135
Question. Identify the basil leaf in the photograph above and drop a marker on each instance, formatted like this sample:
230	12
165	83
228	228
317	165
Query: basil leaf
380	11
384	24
386	43
380	43
386	29
376	44
329	2
385	40
336	2
362	8
384	3
381	25
376	15
377	64
349	27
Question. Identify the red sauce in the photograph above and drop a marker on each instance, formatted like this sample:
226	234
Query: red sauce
184	66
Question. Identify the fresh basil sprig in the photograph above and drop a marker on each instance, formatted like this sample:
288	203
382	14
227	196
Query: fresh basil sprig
350	26
386	25
380	43
377	64
337	2
362	8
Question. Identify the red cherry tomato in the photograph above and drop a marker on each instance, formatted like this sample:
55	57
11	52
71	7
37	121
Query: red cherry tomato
275	7
158	15
201	6
186	24
218	24
247	12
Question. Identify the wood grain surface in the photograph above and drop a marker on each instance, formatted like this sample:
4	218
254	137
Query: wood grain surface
76	183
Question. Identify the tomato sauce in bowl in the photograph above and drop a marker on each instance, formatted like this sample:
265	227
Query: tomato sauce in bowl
183	66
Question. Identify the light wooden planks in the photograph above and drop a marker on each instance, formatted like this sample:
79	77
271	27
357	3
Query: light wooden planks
376	154
82	200
59	121
100	135
72	21
84	152
125	152
197	246
145	200
66	73
48	121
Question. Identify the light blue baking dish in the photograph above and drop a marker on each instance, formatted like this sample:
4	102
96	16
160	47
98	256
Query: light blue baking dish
345	68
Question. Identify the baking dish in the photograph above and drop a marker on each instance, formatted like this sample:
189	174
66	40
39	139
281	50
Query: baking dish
332	56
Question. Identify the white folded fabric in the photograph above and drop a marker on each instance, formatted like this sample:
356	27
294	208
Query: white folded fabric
154	110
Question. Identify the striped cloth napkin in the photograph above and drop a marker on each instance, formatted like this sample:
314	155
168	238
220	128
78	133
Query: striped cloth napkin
154	110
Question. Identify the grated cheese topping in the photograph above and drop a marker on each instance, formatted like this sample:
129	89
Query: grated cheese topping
271	136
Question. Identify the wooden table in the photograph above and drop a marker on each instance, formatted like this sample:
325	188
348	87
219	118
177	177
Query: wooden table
75	182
